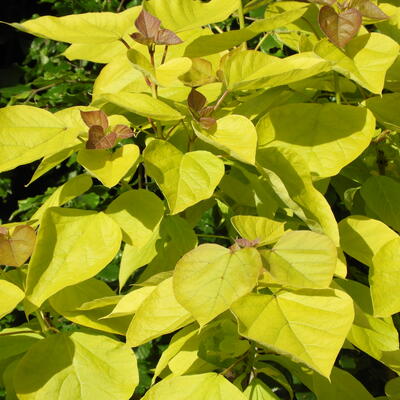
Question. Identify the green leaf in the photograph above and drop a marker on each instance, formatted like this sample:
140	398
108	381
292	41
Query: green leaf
316	134
208	279
209	386
109	168
160	313
366	59
144	105
303	259
244	70
258	390
29	133
82	366
71	189
67	251
10	296
291	180
392	389
180	15
185	179
70	301
374	336
251	227
385	109
91	28
138	213
381	195
362	237
234	135
298	324
384	279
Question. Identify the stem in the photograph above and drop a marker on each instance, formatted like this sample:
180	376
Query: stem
17	333
121	3
213	236
221	99
226	370
241	20
164	56
261	41
125	43
42	323
337	88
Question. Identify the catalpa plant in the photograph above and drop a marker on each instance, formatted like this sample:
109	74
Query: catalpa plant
283	128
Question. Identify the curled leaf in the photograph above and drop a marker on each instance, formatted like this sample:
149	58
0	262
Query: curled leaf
98	140
123	131
340	28
196	100
95	118
370	10
16	248
207	122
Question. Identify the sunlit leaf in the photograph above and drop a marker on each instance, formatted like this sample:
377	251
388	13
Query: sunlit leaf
10	296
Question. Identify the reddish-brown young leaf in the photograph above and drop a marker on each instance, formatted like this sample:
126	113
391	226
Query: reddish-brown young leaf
17	248
167	37
98	140
148	25
138	37
340	28
207	122
369	10
92	118
123	131
196	100
242	242
206	111
3	231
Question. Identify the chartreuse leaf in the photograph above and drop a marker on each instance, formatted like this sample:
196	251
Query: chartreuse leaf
185	179
303	259
211	44
308	325
381	195
167	74
144	105
160	313
254	70
176	239
135	257
181	15
316	136
109	168
234	134
362	237
208	279
70	301
82	366
384	279
252	227
177	342
258	390
29	133
291	181
10	296
67	251
138	213
91	28
392	389
390	27
374	336
130	303
71	189
366	59
209	386
385	109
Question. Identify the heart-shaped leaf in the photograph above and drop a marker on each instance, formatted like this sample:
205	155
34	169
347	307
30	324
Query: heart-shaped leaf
370	10
16	248
147	24
107	167
340	28
185	179
98	140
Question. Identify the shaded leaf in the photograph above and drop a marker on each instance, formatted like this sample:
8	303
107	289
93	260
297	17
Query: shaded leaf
16	248
10	296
